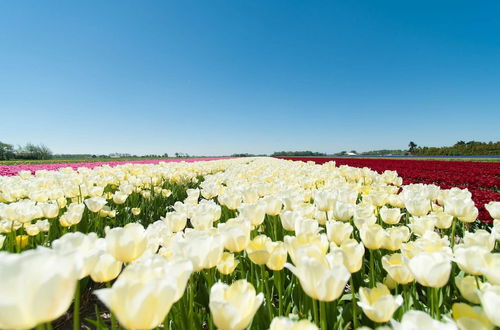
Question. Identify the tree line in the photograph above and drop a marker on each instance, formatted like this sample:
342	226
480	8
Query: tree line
29	151
461	148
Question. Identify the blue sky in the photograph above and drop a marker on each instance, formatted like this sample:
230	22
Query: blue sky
218	77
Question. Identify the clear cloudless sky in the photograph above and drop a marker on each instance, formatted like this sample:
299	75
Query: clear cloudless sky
219	77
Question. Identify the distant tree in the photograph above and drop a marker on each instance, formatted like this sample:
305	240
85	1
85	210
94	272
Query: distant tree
31	151
165	155
412	145
6	151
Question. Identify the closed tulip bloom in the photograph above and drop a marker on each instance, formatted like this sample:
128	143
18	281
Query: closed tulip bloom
494	209
421	225
480	238
468	317
273	205
324	200
472	260
236	234
492	268
364	211
463	209
142	297
396	267
288	219
95	204
50	210
338	231
119	197
175	221
360	222
378	304
227	264
421	320
233	307
2	240
373	236
201	220
431	269
490	300
321	277
395	238
343	211
284	323
258	249
468	288
443	219
106	268
306	226
37	286
22	241
83	246
277	257
203	248
254	212
390	216
353	252
293	243
32	230
418	207
128	243
231	200
389	282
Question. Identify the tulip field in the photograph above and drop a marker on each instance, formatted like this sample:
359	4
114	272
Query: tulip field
250	243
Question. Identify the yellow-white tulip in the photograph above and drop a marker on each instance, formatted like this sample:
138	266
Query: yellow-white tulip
470	318
233	307
126	243
378	304
396	267
37	286
431	269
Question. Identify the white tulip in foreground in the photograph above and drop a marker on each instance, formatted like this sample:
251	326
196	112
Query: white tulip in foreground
322	277
490	300
143	295
414	320
234	306
36	286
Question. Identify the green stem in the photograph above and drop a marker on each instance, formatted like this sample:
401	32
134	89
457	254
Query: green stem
315	310
114	324
267	292
322	313
354	307
431	301
372	270
279	285
436	303
452	238
76	308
